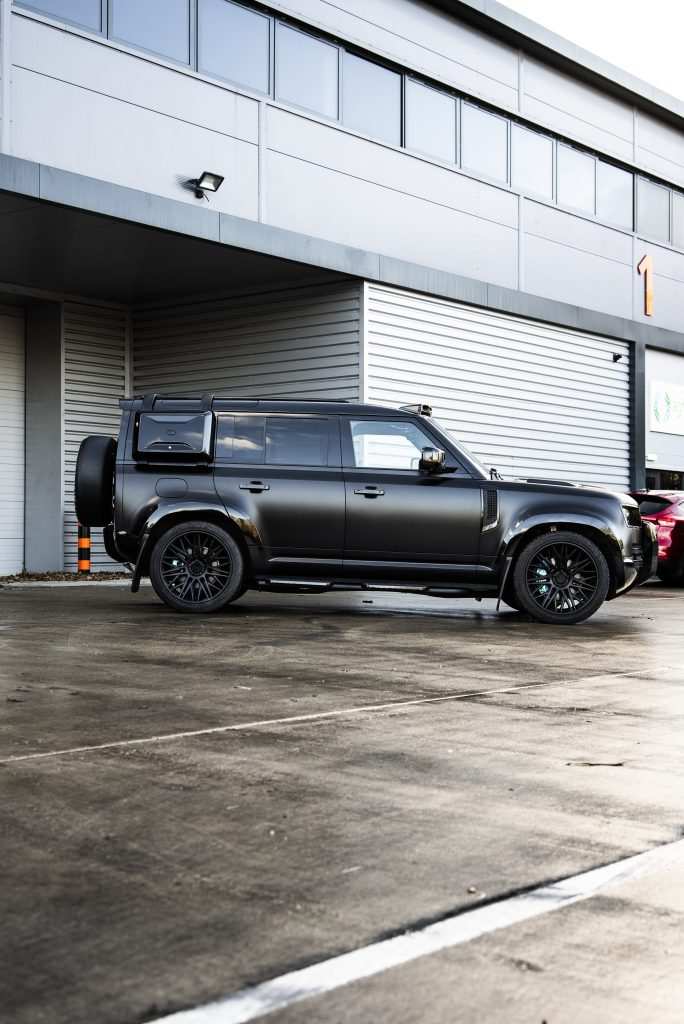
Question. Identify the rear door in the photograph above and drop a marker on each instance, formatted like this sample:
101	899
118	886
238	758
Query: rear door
281	474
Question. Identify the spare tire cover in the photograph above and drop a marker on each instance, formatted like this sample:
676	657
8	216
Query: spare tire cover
94	483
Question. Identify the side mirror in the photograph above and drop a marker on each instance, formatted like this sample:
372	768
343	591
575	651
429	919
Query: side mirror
432	460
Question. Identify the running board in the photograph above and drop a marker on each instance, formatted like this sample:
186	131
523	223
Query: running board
474	590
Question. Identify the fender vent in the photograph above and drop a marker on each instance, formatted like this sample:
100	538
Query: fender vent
490	510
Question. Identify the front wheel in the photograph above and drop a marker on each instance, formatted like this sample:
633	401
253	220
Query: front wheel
197	567
561	578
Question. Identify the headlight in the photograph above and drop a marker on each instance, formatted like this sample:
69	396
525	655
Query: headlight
632	515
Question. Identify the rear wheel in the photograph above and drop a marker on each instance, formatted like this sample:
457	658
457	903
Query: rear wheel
561	578
197	567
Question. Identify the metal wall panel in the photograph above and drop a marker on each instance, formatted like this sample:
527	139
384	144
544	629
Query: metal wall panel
530	398
12	397
95	346
295	343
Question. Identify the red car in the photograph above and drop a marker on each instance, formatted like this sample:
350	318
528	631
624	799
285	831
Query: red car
666	510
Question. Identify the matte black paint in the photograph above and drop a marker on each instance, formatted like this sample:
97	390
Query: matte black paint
339	525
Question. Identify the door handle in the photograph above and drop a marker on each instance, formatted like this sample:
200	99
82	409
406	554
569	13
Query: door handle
255	486
370	492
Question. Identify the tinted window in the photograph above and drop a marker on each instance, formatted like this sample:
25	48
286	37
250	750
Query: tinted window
654	210
297	441
678	217
430	121
82	12
162	26
531	162
652	506
615	195
241	438
234	43
484	143
388	444
306	71
371	99
576	179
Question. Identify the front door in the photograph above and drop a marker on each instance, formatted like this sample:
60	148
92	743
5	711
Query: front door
401	522
281	475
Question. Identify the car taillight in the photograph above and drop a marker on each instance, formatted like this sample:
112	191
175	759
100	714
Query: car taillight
666	522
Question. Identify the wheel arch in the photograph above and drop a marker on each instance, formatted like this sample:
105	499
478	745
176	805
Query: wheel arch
604	539
165	519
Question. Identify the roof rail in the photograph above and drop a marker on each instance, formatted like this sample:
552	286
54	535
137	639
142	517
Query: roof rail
209	397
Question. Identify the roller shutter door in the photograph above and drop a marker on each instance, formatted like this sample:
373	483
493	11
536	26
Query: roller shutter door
295	343
530	398
12	412
95	343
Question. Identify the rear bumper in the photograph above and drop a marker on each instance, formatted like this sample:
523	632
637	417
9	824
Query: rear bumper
649	549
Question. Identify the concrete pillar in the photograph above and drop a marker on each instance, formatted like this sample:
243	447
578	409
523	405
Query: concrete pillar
44	548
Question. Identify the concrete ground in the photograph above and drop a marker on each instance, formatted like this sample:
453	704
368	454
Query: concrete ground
143	878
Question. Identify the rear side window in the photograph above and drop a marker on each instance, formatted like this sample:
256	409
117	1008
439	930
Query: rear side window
273	440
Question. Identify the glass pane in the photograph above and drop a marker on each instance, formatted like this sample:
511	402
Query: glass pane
484	143
234	43
240	438
430	121
532	162
615	198
83	12
654	210
306	71
576	184
294	441
372	99
386	444
678	212
162	26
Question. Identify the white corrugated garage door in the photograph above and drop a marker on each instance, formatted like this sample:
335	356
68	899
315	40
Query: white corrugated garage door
295	343
12	414
95	342
530	398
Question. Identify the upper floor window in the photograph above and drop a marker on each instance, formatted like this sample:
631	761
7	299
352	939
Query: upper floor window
615	195
576	179
371	99
678	219
484	143
430	121
234	43
86	13
531	162
654	210
162	26
307	71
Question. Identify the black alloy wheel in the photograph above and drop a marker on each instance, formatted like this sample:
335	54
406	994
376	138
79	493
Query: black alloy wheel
197	567
561	578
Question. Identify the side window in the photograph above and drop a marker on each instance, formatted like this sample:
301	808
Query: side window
297	441
233	43
87	13
388	444
162	26
307	71
241	439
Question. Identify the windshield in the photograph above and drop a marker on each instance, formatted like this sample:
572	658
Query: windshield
461	447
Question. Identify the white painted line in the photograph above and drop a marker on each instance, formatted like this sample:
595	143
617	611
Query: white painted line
317	716
362	963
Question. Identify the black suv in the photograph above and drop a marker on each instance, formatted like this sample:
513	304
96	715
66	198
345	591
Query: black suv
213	496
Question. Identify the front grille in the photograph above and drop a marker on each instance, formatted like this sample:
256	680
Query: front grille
490	510
632	515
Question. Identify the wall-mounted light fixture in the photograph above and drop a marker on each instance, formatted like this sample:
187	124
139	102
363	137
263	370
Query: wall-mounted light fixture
617	356
207	182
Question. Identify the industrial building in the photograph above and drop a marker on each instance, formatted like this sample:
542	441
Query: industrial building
420	202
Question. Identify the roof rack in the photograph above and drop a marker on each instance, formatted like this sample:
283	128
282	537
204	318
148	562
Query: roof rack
209	397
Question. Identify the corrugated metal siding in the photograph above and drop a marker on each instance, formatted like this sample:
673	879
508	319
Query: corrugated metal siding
12	397
530	398
95	342
296	343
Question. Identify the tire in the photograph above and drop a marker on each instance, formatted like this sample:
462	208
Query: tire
197	567
94	482
561	578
